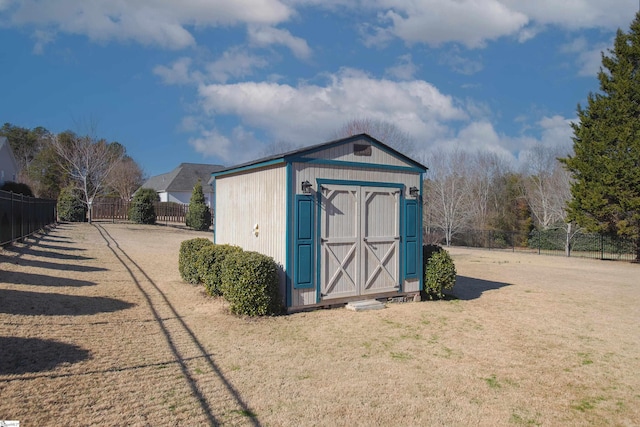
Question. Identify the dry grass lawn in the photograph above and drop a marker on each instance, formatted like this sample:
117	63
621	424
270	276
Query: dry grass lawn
96	328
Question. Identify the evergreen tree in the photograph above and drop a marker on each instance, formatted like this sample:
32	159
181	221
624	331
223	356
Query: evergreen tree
606	142
142	210
199	216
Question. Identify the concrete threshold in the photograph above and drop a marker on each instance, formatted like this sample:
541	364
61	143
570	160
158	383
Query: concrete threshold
369	304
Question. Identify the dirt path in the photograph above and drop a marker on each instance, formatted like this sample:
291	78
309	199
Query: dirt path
96	328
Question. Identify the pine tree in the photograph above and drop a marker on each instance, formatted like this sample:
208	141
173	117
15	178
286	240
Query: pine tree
199	216
606	143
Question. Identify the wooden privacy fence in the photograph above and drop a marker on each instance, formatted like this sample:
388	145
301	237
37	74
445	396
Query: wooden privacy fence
22	216
117	210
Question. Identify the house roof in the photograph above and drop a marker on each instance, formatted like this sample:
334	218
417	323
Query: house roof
183	178
283	157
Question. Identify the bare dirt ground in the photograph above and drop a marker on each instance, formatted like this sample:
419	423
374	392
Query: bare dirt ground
97	328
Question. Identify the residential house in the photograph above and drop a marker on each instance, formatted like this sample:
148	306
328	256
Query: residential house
8	164
177	185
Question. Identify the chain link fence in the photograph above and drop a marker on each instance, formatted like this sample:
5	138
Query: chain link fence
22	216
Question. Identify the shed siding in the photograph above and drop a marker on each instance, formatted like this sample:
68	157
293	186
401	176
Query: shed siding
250	198
310	172
344	152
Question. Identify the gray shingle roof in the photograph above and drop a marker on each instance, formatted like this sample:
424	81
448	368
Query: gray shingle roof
183	178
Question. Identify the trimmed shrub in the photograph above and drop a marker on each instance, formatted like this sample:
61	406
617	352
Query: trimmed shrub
18	188
439	274
209	261
427	253
70	206
142	210
188	259
198	216
250	284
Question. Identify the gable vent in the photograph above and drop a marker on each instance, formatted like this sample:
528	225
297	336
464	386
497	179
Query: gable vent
361	150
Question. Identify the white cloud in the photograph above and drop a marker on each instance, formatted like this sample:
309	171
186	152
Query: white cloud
588	58
241	147
405	69
266	36
475	22
434	22
293	113
234	63
459	63
178	72
480	135
150	22
577	14
42	38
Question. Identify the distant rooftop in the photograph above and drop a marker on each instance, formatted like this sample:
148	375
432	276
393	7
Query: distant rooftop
183	178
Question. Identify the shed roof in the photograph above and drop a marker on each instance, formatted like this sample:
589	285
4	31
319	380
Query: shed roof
183	178
284	157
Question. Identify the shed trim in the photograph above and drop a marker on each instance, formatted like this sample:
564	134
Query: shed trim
348	164
288	250
248	167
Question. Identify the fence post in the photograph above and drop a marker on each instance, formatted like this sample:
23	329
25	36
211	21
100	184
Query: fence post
539	242
601	246
21	219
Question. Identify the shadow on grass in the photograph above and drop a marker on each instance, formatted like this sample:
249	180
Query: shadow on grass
177	335
468	288
57	247
25	355
31	279
52	304
46	254
54	239
57	266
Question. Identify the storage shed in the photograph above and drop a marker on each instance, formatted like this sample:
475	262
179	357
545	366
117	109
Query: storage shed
343	219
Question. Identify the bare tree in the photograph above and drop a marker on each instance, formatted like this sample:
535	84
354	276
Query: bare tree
448	192
88	162
125	178
278	147
385	132
484	172
547	187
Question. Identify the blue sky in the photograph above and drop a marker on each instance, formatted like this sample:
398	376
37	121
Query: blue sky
218	81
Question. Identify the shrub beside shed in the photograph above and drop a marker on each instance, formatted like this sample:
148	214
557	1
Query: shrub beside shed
343	219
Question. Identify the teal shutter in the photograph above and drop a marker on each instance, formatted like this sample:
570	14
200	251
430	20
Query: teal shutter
411	239
304	242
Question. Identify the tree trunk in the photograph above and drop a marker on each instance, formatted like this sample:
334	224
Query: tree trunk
567	244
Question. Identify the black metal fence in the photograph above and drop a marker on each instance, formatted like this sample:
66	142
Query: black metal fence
551	242
21	216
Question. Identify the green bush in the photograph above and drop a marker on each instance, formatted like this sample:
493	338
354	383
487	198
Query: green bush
198	216
440	273
427	253
209	261
142	210
250	284
70	206
18	188
188	259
